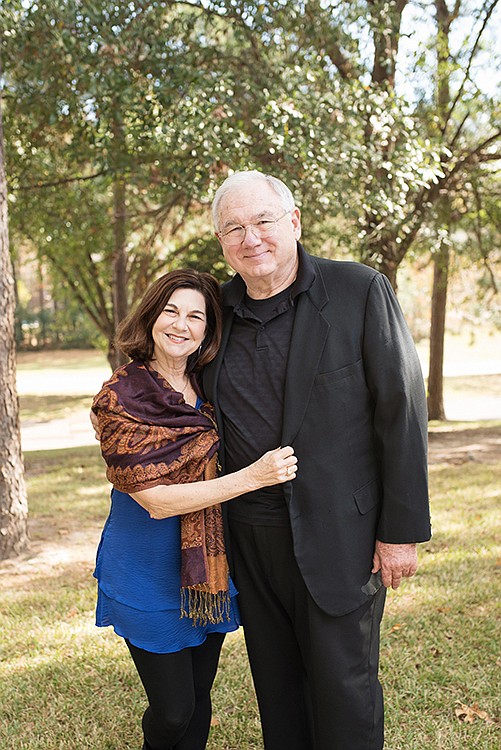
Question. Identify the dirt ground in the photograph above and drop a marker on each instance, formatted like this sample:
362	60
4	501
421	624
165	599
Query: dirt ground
457	445
55	544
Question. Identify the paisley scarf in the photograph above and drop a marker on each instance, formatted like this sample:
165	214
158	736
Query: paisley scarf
150	436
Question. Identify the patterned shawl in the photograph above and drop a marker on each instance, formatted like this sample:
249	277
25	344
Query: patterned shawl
150	436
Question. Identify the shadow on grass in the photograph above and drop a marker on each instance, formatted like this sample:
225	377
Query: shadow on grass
82	694
63	359
42	409
62	458
454	442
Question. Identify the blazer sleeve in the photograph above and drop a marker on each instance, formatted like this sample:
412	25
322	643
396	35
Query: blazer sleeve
395	380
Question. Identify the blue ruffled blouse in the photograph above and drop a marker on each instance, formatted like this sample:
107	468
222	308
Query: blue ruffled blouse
138	569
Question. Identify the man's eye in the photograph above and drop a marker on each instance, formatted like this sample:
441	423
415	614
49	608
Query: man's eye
264	223
234	230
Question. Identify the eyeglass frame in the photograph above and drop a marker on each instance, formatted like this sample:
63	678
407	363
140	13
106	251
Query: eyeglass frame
245	227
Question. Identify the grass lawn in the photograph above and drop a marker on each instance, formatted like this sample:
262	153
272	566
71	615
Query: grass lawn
65	684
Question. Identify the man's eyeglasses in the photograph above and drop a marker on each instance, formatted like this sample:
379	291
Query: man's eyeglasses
262	228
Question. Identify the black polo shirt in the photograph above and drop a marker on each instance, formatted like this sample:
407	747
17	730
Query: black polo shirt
251	387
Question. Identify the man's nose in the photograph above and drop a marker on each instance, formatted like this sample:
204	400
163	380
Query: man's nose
250	236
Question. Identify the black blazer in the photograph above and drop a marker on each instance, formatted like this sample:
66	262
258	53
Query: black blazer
355	413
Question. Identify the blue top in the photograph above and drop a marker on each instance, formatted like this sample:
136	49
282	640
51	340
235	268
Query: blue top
138	568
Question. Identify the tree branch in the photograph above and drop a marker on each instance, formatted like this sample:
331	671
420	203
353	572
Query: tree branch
64	181
470	63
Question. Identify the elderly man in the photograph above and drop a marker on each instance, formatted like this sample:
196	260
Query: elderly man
316	354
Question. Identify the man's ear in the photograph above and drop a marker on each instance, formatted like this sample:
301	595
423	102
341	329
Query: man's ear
296	222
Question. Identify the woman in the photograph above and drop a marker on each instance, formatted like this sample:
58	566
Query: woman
161	563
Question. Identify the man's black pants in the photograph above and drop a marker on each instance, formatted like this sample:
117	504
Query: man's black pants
316	676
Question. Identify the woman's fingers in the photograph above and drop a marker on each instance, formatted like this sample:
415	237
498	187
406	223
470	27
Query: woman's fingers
275	467
286	463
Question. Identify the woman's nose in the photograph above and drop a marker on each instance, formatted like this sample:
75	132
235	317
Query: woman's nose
180	323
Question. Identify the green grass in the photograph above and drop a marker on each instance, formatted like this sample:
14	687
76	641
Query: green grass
68	486
483	385
65	684
440	643
47	407
65	359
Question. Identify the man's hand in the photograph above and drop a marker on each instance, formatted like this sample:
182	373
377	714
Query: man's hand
395	561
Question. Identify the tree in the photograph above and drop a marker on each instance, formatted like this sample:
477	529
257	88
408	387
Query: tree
445	104
404	156
410	155
108	154
441	258
123	117
13	502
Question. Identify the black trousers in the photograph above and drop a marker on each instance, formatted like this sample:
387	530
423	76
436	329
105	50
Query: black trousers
316	676
178	688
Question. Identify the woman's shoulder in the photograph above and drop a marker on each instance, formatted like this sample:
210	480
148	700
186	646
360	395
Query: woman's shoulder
123	379
131	370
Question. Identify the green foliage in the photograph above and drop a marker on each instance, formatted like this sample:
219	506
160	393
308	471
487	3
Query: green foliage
341	100
102	93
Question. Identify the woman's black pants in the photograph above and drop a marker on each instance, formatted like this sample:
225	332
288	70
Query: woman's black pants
178	688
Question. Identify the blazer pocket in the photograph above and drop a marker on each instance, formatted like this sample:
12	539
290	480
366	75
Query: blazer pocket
367	497
325	378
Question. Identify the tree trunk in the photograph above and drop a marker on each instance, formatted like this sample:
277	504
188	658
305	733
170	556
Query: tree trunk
437	334
441	262
119	270
13	502
389	267
114	356
42	317
119	259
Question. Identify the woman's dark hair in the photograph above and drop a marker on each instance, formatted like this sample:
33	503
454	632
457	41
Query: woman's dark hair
134	337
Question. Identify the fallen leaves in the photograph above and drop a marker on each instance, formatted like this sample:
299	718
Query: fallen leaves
396	627
468	714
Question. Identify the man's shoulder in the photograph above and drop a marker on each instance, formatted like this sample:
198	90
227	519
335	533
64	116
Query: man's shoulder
233	290
344	268
344	274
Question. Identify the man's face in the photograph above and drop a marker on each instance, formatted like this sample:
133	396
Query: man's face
259	259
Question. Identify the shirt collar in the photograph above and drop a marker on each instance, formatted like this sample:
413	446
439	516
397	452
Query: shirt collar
234	290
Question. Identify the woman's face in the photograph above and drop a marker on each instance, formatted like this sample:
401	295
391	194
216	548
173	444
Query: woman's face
180	328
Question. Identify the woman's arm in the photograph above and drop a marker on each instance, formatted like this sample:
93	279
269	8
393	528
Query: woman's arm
275	467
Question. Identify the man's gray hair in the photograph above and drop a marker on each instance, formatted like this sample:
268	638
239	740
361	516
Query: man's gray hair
239	179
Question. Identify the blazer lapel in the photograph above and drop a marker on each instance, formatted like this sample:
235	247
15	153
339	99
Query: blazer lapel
307	344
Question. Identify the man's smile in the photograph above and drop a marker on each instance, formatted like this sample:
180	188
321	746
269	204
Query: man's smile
256	256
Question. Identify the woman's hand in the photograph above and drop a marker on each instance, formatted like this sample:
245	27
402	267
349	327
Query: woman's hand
95	425
275	467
